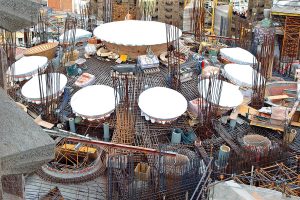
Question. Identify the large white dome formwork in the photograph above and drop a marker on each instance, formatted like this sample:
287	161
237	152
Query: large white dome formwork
238	55
94	102
160	104
80	35
32	92
231	96
132	37
27	67
241	75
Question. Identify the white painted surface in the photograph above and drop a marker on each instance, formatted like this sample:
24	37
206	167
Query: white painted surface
31	89
231	96
27	66
133	33
79	35
162	103
242	75
94	102
238	55
230	190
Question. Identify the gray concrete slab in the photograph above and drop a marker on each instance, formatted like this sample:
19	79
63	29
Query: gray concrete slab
18	14
35	187
230	190
18	131
24	146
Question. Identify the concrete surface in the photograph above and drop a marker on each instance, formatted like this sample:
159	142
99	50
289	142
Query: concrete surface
18	14
24	146
230	190
35	187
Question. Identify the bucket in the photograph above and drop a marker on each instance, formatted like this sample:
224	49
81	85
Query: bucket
223	156
176	136
106	131
72	125
71	69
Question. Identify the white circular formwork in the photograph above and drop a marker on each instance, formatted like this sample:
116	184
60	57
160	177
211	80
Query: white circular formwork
32	91
133	33
238	55
160	104
80	35
241	75
231	96
26	67
257	141
94	102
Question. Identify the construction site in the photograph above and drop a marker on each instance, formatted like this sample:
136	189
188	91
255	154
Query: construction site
149	99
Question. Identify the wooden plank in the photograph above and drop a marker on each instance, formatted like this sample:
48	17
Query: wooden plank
265	125
43	123
277	97
83	149
293	110
293	123
241	109
22	106
244	110
234	114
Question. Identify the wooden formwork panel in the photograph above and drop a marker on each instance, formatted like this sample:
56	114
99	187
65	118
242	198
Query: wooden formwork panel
135	51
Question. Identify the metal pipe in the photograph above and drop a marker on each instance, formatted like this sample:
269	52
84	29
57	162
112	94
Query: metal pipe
85	139
121	146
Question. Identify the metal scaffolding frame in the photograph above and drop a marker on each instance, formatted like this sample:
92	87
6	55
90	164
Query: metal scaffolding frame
291	44
278	177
